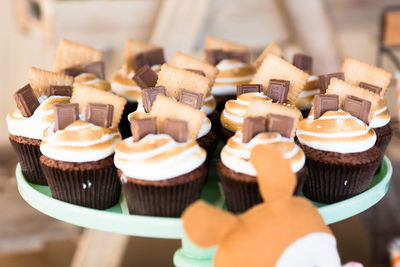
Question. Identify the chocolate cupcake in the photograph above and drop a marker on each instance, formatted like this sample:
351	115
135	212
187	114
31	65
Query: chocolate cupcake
340	148
162	168
233	62
33	115
137	54
78	151
238	176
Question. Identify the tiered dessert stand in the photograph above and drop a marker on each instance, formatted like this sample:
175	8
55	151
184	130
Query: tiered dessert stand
118	220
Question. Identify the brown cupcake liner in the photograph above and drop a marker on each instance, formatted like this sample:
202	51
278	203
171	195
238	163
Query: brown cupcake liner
29	158
383	136
165	198
242	194
209	143
215	121
124	125
330	182
97	187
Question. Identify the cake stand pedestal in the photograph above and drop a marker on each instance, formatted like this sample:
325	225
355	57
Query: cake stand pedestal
118	220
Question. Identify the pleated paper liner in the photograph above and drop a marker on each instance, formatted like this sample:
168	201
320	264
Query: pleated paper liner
242	194
331	180
209	143
124	125
383	136
28	154
164	198
90	184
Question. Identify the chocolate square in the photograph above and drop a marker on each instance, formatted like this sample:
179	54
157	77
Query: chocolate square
357	107
325	80
64	115
370	87
61	90
177	129
252	126
142	127
145	77
214	56
248	88
139	61
281	124
243	56
96	68
150	94
200	72
26	100
324	103
190	98
155	56
72	71
278	90
100	114
303	62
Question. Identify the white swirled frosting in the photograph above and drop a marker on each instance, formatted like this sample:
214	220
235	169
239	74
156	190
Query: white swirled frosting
236	155
231	73
306	97
336	131
157	157
92	80
140	113
80	141
381	116
41	119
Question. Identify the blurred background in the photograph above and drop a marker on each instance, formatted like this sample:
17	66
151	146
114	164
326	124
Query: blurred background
328	30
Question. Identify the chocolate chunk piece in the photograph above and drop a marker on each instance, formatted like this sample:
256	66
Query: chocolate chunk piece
138	61
152	57
190	98
96	68
370	87
252	126
281	124
243	56
177	129
100	114
324	103
64	115
324	80
26	100
303	62
150	94
145	77
357	107
61	90
214	56
278	90
142	127
72	71
248	88
197	71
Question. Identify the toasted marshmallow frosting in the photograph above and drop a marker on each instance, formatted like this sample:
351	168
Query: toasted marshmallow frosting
306	97
35	125
81	141
122	83
236	154
140	113
381	116
336	131
157	157
231	73
235	109
92	80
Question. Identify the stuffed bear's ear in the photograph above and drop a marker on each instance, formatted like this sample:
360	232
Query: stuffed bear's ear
275	177
206	225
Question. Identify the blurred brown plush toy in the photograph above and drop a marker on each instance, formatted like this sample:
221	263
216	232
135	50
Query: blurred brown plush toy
285	230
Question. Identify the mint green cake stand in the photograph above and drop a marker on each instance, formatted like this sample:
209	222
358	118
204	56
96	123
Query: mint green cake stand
118	220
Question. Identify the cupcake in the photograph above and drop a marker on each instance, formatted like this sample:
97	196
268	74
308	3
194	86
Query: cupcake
137	54
162	167
376	80
272	125
33	115
338	143
233	62
312	87
78	149
183	61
